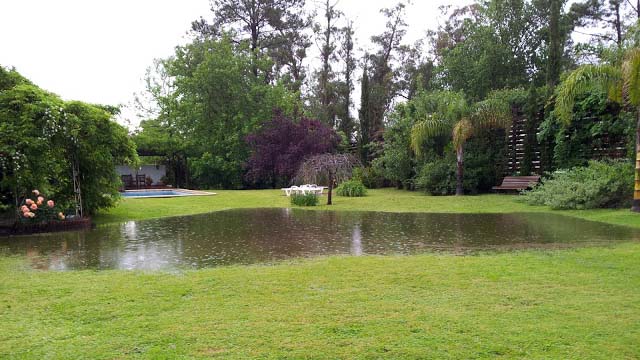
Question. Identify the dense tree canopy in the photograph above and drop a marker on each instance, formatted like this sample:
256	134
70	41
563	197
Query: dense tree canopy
280	145
218	102
44	136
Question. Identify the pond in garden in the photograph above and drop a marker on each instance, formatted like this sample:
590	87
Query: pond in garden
267	235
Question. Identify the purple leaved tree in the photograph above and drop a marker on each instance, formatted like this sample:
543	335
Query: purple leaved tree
280	145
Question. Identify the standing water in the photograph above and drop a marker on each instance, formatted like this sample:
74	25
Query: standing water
266	235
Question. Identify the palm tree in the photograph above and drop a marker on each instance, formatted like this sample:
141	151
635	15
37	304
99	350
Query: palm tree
448	112
623	84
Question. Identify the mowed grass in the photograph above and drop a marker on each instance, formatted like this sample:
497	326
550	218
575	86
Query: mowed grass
377	200
573	304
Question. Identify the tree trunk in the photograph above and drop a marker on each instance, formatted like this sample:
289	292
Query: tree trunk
254	49
636	192
460	173
618	25
330	190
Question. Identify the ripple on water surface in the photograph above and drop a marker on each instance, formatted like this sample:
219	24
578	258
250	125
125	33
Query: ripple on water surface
265	235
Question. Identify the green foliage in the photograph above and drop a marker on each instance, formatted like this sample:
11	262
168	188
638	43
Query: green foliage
601	184
9	78
484	165
308	199
464	121
499	44
436	114
37	208
101	144
441	113
219	101
397	160
582	80
42	135
595	123
31	150
352	188
161	139
371	177
437	177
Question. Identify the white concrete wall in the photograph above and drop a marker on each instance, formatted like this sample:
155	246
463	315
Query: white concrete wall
156	172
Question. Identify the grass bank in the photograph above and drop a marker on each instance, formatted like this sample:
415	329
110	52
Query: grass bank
377	200
582	303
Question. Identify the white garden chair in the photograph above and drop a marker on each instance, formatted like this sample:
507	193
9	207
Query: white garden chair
304	189
290	190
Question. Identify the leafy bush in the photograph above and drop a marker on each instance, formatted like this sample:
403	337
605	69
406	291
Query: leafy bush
304	199
41	134
352	188
39	209
437	177
369	176
601	184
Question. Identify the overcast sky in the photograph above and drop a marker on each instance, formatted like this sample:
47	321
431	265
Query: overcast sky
98	51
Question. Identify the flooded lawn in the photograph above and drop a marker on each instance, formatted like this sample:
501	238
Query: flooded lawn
266	235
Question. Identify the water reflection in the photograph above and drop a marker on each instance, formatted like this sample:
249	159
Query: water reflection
264	235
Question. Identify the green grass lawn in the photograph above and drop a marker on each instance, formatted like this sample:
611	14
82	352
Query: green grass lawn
573	304
570	304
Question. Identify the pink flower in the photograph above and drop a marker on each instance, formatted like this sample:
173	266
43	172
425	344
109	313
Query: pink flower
28	201
40	200
24	208
29	215
26	214
50	203
36	192
34	207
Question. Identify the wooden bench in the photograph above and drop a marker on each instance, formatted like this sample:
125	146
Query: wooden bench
517	183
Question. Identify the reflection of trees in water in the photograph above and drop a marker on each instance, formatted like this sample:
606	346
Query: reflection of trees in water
249	236
59	251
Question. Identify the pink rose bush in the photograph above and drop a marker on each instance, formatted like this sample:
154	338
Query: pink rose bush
35	209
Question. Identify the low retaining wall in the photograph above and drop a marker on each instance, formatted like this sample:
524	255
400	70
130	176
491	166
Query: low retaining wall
54	226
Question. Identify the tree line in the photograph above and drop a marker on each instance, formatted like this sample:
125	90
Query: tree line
208	104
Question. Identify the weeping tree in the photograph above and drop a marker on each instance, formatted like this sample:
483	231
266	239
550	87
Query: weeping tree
327	168
623	85
448	112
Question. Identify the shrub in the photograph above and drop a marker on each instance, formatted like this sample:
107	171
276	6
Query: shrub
601	184
369	176
38	210
304	199
437	177
352	188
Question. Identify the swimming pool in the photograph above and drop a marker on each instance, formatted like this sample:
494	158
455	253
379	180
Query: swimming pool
155	193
